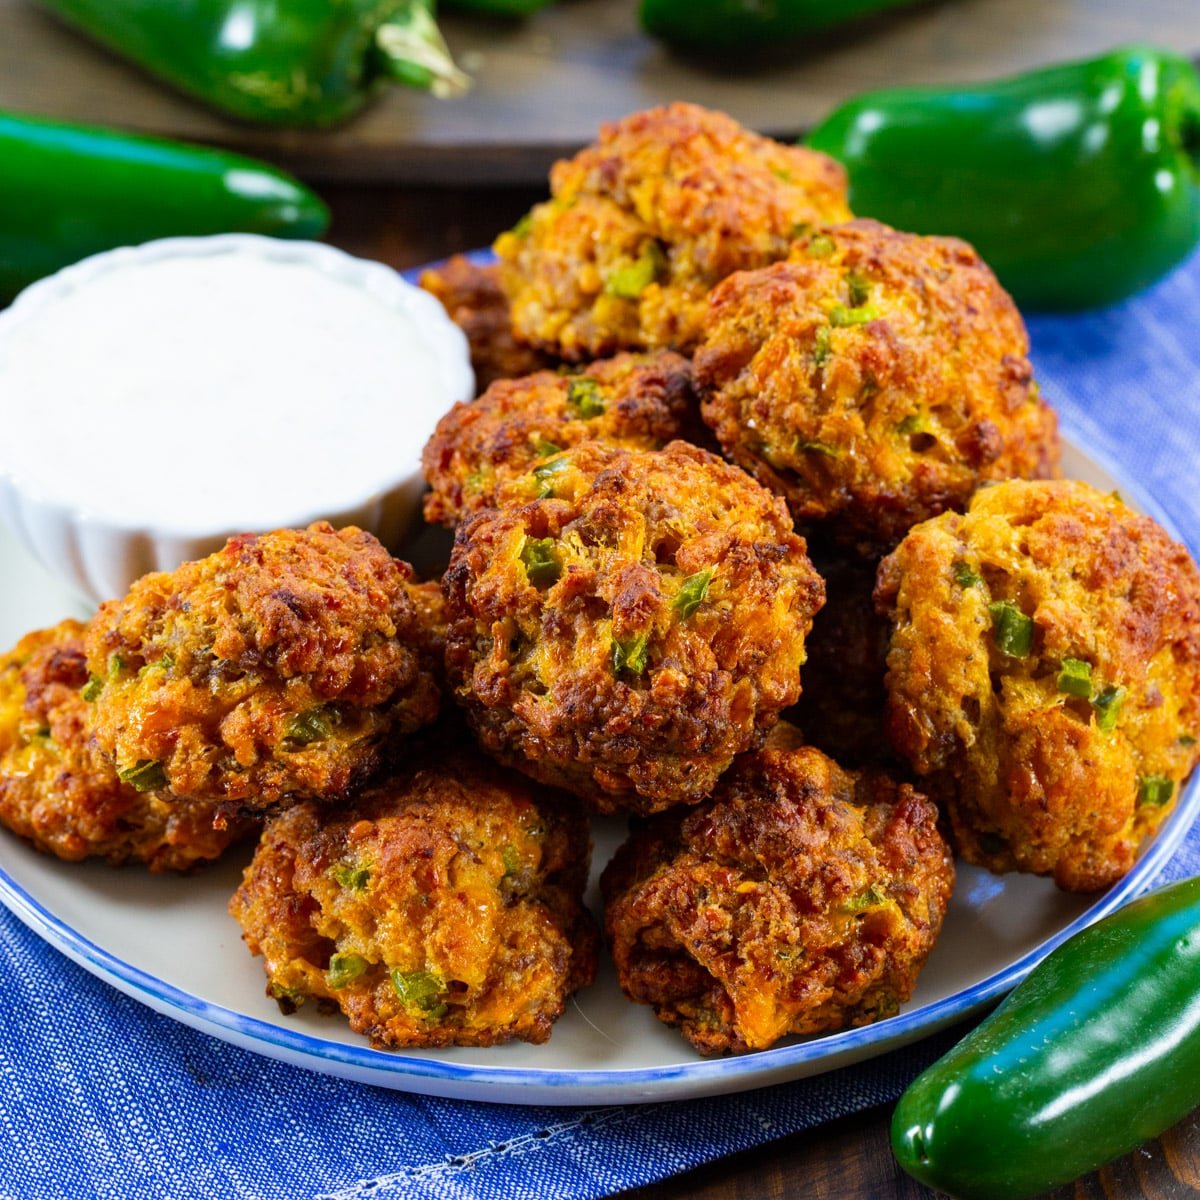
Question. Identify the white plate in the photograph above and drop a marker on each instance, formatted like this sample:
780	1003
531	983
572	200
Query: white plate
169	943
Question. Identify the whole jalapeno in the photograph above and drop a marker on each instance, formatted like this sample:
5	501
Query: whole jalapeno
68	191
302	62
1097	1051
740	24
1079	184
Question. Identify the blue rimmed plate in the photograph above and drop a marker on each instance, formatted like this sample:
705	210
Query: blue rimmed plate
169	943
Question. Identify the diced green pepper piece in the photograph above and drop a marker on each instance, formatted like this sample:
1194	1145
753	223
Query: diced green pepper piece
630	655
1075	678
545	449
146	775
1012	629
315	725
964	576
692	592
840	316
545	472
858	288
821	346
914	423
353	878
542	567
870	897
420	990
824	449
1156	790
344	969
821	246
628	283
1107	703
584	399
91	690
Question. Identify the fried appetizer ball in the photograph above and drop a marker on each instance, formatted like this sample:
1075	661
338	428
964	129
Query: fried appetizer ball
1044	674
278	668
841	709
443	908
518	427
471	294
626	637
799	899
60	793
873	380
644	222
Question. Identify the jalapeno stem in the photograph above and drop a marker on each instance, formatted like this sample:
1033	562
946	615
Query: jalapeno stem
411	50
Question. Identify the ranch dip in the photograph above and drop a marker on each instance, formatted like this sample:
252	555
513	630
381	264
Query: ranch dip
228	390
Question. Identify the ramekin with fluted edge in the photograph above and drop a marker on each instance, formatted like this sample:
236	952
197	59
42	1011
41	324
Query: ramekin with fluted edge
155	400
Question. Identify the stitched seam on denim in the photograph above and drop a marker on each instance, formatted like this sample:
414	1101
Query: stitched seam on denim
453	1164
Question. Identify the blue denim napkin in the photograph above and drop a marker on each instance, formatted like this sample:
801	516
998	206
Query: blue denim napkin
101	1097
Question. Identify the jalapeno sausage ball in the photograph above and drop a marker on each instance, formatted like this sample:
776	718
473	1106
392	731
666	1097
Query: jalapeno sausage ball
280	667
798	899
644	222
60	793
627	636
517	428
875	379
1044	675
471	294
442	908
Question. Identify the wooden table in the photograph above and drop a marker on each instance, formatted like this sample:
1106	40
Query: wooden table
377	175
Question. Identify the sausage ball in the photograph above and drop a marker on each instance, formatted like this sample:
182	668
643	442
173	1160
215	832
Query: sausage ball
280	667
875	379
471	294
799	899
841	709
60	793
442	908
627	636
1044	674
638	401
644	222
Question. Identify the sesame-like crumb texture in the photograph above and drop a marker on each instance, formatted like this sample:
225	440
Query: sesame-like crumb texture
280	667
799	899
645	221
60	793
443	908
626	637
875	379
516	430
1044	674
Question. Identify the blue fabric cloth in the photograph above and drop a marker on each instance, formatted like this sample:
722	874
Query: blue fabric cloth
101	1097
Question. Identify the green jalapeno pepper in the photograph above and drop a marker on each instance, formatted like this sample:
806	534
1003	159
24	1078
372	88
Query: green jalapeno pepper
1095	1052
303	62
1079	184
67	191
738	24
499	8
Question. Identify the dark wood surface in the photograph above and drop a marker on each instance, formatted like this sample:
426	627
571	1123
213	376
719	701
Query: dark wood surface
543	86
845	1160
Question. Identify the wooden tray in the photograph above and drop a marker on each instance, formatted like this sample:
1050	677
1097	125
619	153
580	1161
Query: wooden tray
543	86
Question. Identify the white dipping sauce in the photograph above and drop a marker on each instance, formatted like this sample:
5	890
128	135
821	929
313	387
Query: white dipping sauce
222	391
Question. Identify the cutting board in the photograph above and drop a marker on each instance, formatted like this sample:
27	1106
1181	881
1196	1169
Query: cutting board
542	86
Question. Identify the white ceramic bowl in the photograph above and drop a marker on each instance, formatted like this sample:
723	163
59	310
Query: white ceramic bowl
100	547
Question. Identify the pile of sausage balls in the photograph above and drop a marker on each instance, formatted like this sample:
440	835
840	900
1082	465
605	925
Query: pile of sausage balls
731	443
